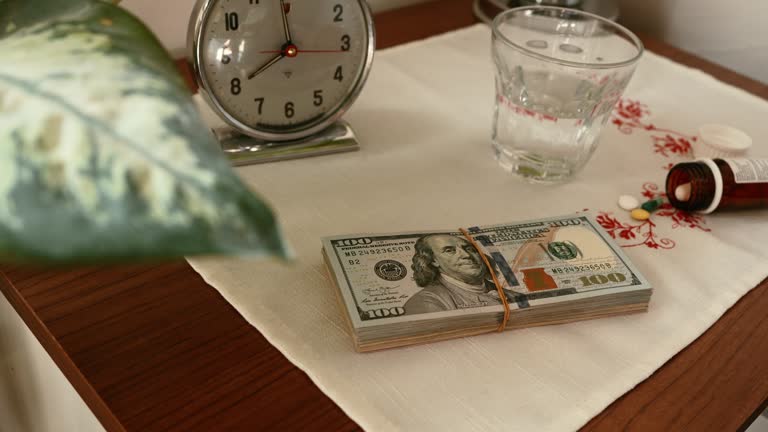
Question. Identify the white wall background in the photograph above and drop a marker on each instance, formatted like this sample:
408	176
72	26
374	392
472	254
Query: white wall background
34	395
733	33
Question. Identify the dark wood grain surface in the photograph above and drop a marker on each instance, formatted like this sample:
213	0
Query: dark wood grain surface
152	347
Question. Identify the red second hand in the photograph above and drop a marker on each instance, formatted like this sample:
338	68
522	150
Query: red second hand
321	51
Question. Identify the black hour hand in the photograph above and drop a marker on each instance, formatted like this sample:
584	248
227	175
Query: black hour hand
266	66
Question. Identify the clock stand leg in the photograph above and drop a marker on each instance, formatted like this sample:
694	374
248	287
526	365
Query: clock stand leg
245	150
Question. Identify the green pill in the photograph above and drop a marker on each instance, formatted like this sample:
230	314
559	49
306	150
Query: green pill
652	205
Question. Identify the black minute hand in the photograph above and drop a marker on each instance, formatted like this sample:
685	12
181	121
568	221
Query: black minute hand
286	28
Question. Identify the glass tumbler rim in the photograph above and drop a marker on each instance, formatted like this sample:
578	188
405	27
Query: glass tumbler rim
587	65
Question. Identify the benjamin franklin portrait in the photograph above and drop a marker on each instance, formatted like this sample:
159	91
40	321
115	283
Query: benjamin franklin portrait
452	276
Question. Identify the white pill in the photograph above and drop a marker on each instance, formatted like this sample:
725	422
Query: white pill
628	202
683	192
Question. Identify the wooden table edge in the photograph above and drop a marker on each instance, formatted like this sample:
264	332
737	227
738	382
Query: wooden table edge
391	23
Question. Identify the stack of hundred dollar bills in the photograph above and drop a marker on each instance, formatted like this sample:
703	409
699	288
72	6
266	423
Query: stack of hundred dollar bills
410	288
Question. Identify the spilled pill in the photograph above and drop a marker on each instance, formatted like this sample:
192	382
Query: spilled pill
683	192
640	214
652	205
628	202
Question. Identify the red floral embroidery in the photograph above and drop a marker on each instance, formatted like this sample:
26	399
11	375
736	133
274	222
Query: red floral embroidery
628	115
642	233
682	219
669	144
650	191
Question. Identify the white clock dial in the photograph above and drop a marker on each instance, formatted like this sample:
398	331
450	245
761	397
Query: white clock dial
283	66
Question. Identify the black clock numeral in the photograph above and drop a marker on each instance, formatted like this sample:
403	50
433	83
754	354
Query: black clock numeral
345	42
259	101
225	59
254	1
318	97
289	112
231	21
235	89
338	76
339	9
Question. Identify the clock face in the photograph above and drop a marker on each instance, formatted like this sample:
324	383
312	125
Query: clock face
277	67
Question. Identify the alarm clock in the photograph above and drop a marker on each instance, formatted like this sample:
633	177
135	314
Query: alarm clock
281	73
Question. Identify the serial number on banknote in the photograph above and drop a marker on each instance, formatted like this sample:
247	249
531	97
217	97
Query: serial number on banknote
378	251
582	268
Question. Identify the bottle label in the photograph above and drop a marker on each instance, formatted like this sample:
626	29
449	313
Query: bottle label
749	170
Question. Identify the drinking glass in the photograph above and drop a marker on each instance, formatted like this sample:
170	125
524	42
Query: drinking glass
559	73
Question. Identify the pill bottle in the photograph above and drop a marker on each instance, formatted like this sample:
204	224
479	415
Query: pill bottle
706	185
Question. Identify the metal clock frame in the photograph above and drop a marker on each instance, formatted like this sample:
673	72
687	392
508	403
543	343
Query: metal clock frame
197	23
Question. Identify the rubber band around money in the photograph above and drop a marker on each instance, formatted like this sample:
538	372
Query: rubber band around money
496	282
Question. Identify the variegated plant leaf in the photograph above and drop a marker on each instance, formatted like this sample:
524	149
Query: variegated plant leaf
102	153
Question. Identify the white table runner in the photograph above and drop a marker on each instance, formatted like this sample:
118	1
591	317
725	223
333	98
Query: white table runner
424	121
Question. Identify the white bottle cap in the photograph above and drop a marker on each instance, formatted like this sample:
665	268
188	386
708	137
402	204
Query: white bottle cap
721	141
